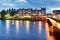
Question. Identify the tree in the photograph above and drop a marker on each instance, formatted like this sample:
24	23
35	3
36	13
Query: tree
3	13
12	13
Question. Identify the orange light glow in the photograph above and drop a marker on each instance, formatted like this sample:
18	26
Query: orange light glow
49	37
58	25
47	31
52	38
54	23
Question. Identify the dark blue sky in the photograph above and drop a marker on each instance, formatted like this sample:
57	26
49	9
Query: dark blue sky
35	4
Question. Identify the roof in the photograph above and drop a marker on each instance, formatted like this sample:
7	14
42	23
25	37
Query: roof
56	11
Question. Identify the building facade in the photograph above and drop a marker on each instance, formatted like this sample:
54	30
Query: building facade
57	14
56	11
31	11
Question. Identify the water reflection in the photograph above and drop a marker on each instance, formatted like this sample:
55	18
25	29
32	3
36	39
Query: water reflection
12	21
21	23
19	29
52	37
27	26
7	26
48	29
17	26
0	22
40	27
34	24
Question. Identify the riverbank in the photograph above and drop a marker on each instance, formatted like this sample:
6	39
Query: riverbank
29	19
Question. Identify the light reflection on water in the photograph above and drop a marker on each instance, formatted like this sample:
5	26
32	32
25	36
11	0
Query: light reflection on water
17	26
27	25
7	26
37	30
49	37
40	26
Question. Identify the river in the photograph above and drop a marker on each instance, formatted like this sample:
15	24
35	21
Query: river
23	30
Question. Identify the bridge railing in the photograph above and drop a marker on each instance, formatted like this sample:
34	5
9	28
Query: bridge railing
55	22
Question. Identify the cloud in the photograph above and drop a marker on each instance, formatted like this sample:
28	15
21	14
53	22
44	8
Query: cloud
54	9
5	1
3	9
23	1
49	10
7	4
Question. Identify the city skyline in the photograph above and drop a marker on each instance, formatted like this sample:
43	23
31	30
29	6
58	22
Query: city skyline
49	4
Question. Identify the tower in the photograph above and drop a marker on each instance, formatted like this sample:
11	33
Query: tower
43	10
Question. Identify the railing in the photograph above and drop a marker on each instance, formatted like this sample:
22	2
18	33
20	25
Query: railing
55	20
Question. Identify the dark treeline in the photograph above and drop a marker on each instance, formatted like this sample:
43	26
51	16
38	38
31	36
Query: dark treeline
11	12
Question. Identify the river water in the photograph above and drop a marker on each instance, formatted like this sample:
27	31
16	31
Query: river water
23	30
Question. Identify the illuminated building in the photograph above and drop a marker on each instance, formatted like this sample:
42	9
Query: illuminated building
31	11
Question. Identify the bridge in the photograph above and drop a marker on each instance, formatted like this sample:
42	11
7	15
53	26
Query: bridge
54	27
